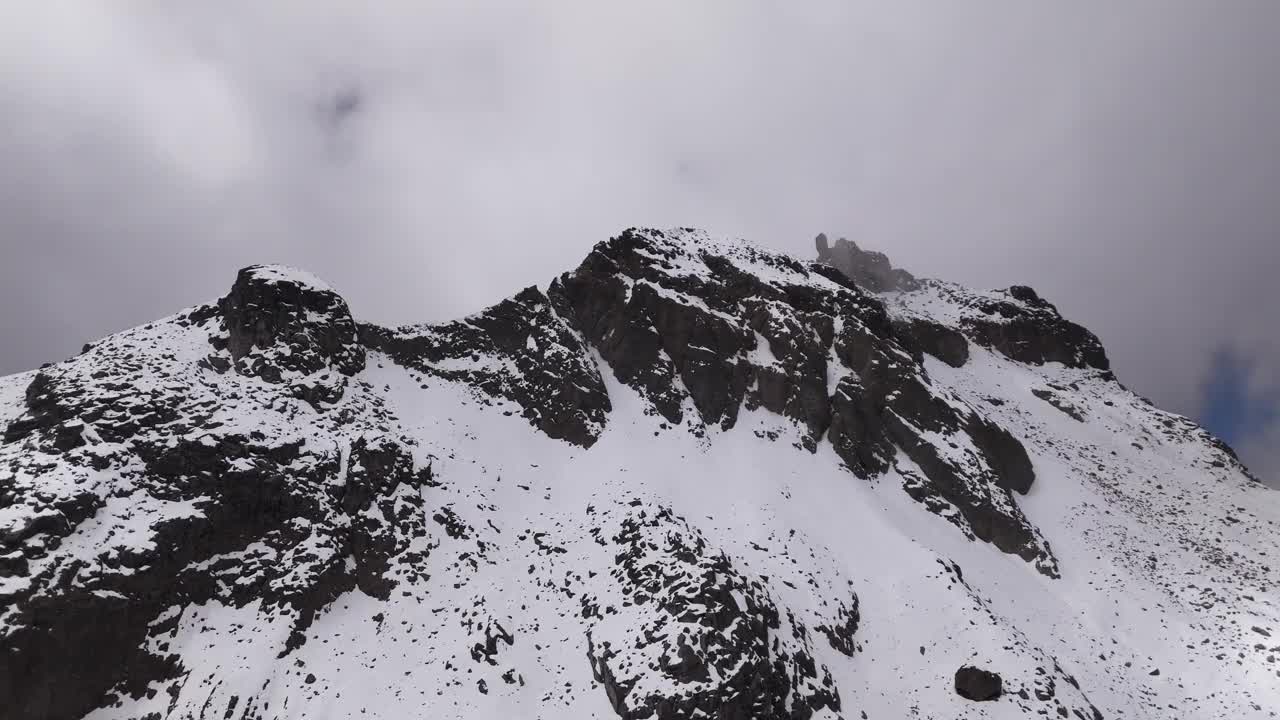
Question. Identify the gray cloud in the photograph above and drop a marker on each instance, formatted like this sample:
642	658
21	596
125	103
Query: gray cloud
429	158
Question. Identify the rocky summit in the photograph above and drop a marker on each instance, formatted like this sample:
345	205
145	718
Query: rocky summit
691	478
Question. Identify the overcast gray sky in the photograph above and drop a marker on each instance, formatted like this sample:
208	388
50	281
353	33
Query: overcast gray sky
430	158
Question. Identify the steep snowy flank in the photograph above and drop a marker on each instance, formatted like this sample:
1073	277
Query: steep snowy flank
690	478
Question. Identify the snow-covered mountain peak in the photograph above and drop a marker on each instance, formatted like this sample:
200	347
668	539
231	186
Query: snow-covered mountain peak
689	478
285	275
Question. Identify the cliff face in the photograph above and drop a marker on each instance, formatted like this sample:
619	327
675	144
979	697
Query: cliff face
689	478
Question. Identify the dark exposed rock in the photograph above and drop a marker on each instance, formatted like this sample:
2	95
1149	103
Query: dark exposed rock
920	335
703	350
840	634
987	506
49	674
1059	403
383	500
857	434
796	385
976	684
44	408
654	328
890	404
453	526
618	328
675	336
519	350
719	337
694	611
1004	453
243	490
285	327
487	651
1029	329
869	269
1026	328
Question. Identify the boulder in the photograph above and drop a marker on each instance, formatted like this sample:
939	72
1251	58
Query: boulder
977	684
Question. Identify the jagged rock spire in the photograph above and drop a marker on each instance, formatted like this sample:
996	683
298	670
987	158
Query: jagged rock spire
870	270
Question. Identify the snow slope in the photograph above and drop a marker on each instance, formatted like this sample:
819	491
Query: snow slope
691	478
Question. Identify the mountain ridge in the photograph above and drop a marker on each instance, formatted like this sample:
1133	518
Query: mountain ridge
268	458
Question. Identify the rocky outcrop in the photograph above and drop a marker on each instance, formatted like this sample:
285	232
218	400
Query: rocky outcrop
685	324
889	405
794	383
270	528
669	350
699	638
1058	402
1021	325
285	326
688	327
977	684
919	335
519	350
383	499
869	269
1027	328
190	492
